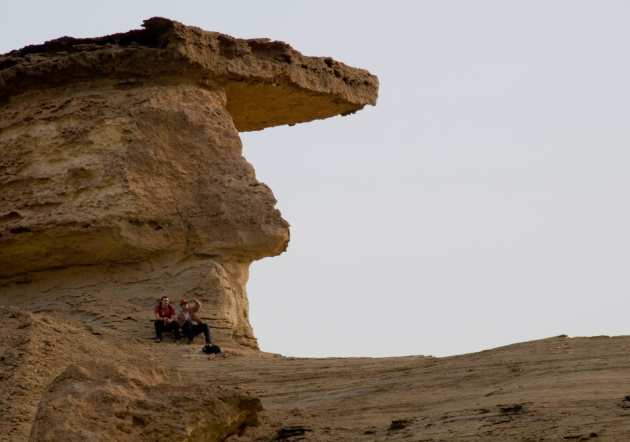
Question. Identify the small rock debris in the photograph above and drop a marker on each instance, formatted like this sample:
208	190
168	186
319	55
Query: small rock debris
511	409
291	433
399	424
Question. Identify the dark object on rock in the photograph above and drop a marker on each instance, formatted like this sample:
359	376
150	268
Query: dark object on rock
625	403
286	433
399	424
592	435
211	349
511	409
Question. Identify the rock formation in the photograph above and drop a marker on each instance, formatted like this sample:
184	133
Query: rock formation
63	381
122	176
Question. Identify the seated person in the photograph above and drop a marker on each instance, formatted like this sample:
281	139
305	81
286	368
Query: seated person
165	319
190	322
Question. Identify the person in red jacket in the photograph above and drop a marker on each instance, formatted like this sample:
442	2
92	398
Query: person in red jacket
165	319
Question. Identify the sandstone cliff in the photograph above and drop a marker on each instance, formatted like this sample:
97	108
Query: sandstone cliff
121	169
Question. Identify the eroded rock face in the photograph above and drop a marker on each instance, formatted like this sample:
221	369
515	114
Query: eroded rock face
132	406
61	381
102	174
122	153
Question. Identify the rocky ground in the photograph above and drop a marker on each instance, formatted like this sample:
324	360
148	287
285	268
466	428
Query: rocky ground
64	379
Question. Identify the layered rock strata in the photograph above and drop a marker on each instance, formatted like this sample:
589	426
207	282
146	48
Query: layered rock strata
59	380
121	170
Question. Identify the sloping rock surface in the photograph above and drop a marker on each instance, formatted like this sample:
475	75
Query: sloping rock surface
61	380
66	380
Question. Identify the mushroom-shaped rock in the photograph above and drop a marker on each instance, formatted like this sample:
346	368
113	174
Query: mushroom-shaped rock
266	83
121	169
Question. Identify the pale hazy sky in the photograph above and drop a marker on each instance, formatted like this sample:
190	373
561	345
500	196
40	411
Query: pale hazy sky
483	201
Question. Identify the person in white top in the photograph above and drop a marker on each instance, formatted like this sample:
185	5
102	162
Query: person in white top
191	324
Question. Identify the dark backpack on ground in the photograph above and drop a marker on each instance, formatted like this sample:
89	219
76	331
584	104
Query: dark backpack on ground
211	349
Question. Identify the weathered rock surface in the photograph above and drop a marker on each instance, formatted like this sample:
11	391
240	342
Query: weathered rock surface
133	406
122	153
266	82
66	380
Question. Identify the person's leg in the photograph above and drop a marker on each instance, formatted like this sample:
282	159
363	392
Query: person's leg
159	327
195	329
206	332
175	328
168	326
188	331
